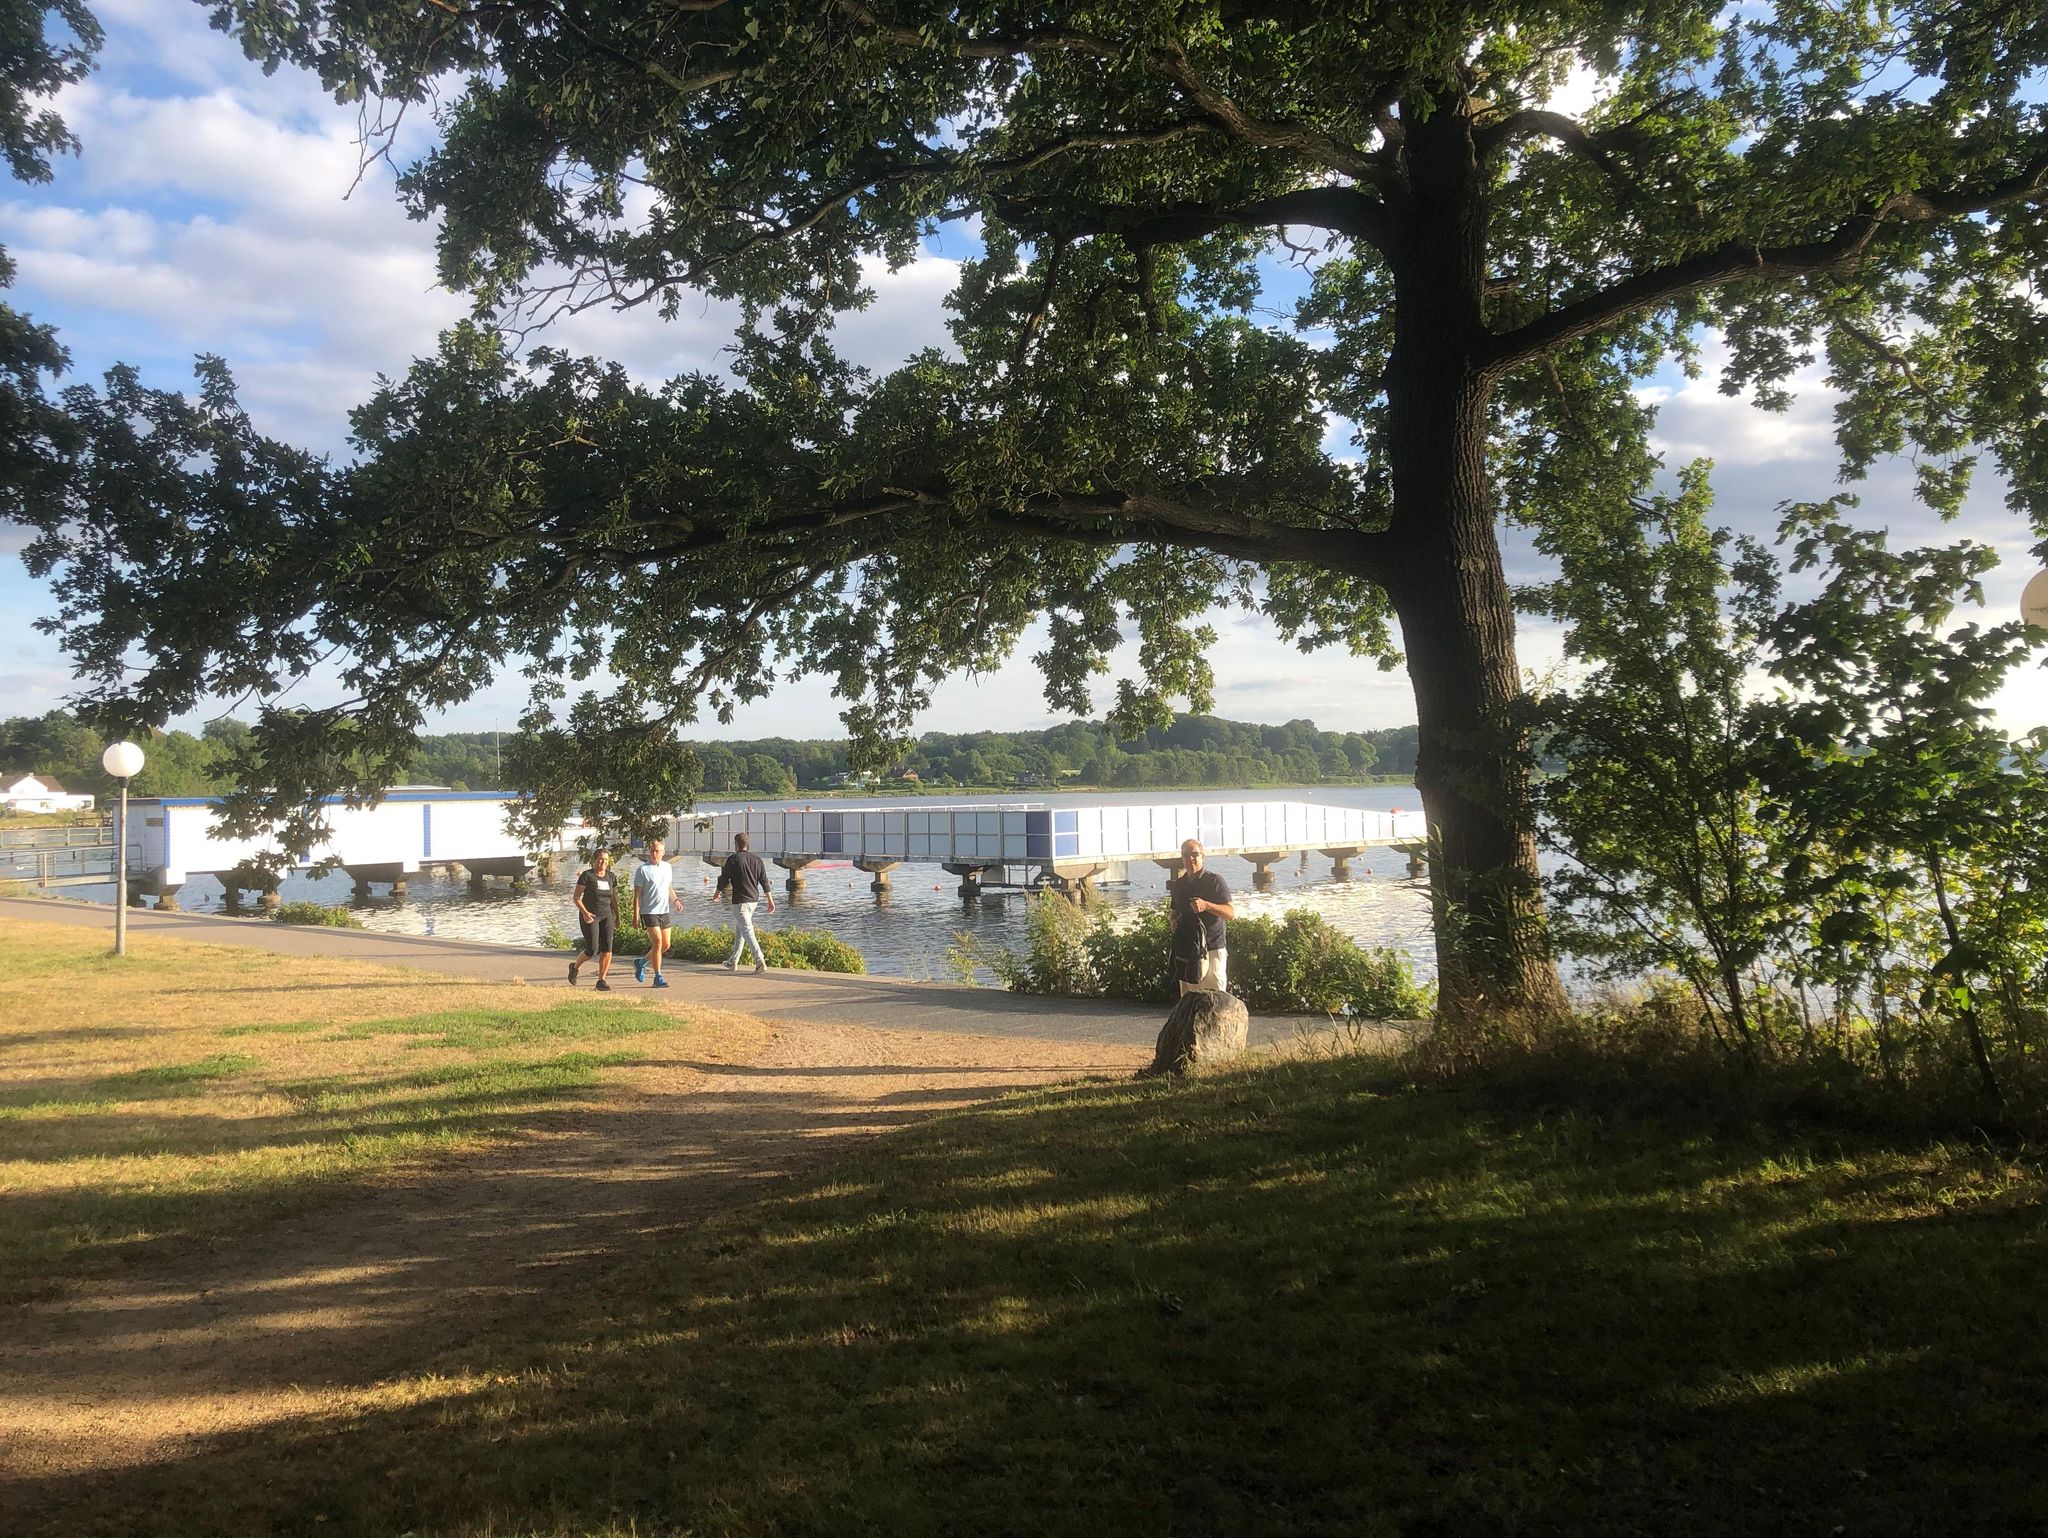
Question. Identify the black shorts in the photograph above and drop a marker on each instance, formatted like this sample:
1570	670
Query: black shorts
597	936
654	921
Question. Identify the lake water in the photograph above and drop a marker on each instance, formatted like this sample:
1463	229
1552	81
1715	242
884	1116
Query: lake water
908	933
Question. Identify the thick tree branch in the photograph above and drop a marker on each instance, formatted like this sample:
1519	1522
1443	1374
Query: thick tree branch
1038	155
1344	210
1533	122
1027	334
1367	166
1169	62
1141	517
805	525
1737	261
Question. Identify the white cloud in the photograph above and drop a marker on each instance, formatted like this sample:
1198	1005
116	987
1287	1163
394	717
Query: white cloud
1696	420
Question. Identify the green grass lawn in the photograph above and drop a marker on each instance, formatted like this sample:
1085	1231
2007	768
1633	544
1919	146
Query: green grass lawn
1300	1297
192	1092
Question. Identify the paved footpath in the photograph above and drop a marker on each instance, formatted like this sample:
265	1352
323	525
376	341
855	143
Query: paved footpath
885	1003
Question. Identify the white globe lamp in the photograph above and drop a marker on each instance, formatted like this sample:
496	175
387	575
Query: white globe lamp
123	760
2034	601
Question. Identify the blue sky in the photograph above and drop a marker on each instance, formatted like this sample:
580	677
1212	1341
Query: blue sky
211	211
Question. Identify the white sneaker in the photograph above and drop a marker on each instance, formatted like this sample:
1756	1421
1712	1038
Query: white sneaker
731	966
760	968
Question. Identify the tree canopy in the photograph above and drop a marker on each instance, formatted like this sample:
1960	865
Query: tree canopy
1125	434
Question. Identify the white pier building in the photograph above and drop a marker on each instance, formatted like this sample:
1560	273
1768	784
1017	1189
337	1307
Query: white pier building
1033	843
173	838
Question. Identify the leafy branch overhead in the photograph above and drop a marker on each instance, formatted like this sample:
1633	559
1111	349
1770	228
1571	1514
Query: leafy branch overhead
1125	433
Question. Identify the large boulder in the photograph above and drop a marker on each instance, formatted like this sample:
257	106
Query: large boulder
1203	1028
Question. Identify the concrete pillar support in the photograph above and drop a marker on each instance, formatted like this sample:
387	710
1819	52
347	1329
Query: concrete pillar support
878	868
794	864
1263	861
389	871
1340	862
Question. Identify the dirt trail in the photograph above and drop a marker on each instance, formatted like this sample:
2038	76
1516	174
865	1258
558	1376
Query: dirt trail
343	1308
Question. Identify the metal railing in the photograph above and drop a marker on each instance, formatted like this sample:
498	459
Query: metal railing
95	835
62	867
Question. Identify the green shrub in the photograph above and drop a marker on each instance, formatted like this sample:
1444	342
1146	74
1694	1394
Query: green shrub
1131	961
701	942
318	914
1301	965
808	949
1297	964
796	950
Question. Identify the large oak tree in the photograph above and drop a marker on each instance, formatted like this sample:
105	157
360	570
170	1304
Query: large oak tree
1127	432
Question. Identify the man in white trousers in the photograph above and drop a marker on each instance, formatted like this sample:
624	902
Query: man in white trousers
743	881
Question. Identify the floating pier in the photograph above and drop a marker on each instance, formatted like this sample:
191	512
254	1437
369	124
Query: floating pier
1069	847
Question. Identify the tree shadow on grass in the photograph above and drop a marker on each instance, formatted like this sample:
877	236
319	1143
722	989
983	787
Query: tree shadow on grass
1280	1301
16	1041
423	983
862	1070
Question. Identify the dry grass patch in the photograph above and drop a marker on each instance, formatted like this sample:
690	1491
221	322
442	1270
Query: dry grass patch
195	1089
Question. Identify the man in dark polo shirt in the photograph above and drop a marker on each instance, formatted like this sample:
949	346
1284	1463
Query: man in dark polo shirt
1200	905
743	882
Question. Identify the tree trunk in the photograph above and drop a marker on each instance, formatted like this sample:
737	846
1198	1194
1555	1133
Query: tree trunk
1448	588
1471	765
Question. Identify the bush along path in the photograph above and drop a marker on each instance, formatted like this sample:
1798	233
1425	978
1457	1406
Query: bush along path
799	950
1296	964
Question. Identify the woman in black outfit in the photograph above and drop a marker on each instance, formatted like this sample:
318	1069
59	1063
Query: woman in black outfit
597	909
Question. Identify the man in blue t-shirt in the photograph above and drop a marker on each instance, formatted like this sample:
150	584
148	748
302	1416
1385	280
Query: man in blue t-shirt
654	891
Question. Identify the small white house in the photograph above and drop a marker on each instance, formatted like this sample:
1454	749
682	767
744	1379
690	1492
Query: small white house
38	793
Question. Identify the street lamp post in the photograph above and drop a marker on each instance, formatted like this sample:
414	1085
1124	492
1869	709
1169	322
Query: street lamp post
123	760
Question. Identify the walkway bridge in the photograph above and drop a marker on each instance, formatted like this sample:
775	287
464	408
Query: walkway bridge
1068	846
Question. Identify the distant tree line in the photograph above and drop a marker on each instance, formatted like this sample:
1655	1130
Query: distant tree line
1194	751
182	764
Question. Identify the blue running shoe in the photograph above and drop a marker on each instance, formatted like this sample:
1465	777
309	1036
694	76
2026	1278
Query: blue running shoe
660	981
639	969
